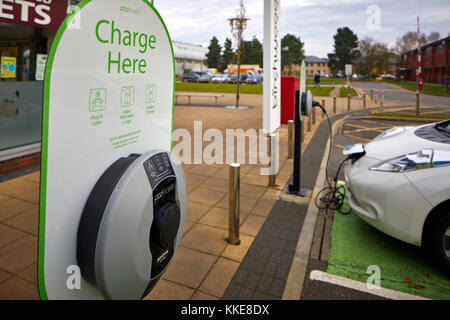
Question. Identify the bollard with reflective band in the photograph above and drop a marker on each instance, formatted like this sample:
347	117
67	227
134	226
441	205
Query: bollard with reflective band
234	205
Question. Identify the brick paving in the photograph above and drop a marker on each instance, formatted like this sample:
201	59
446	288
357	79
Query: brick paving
205	263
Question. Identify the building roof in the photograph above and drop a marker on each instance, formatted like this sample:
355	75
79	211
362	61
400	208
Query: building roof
314	59
428	45
188	51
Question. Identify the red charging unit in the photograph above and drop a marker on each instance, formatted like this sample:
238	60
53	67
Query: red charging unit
289	85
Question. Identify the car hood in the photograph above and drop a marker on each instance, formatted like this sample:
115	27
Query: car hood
384	148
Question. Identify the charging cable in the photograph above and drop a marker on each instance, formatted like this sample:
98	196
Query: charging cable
333	196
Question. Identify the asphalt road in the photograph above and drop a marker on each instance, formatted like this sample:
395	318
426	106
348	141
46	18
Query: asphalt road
392	92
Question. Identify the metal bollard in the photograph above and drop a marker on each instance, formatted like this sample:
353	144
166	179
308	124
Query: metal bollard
371	94
364	100
334	104
323	105
417	103
290	139
349	102
234	205
382	98
313	115
309	123
273	154
376	97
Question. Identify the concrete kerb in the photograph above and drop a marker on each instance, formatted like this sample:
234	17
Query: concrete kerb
297	272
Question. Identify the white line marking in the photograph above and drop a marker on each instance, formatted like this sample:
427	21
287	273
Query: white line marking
360	286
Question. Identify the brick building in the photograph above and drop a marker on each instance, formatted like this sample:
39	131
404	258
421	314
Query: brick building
313	65
435	62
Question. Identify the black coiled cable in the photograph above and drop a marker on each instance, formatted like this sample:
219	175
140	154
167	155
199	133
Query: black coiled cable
333	196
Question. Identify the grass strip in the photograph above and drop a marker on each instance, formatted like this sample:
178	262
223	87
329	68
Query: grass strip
343	93
244	88
408	115
439	90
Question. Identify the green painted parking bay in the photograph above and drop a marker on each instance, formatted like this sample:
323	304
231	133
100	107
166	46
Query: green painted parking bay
355	245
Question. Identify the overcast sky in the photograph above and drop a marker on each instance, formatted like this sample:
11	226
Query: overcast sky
314	21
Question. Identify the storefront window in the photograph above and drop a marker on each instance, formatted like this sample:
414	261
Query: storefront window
23	51
24	46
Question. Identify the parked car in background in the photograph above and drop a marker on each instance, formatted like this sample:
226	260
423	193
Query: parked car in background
399	183
233	78
254	79
205	78
388	77
218	78
191	77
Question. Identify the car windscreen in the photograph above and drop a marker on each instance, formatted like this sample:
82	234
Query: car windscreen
444	127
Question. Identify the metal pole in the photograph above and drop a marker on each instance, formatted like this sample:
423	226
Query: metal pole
371	94
234	205
417	103
313	115
273	154
382	98
334	104
364	100
376	97
294	187
290	139
349	99
302	132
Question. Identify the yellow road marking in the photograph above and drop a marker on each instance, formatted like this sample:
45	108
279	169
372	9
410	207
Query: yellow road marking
356	137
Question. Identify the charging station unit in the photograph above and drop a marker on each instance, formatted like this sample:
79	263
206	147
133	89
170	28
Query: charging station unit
112	196
303	107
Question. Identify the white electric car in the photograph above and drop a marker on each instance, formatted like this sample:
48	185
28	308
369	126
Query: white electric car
400	184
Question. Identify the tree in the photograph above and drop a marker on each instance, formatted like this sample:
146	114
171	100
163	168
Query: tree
252	52
213	55
408	41
292	51
345	50
374	58
227	55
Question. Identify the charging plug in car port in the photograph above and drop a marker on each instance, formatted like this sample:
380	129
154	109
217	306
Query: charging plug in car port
354	152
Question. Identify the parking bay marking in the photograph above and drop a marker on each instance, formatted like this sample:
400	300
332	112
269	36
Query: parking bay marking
360	286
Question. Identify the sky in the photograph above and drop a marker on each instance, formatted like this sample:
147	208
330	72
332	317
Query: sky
314	21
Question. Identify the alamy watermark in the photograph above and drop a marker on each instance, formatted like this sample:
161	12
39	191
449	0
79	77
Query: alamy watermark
374	20
374	280
73	281
212	146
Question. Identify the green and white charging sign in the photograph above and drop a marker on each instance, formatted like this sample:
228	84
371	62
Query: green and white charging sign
109	87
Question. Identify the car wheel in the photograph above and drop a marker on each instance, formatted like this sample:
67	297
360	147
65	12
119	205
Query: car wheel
439	241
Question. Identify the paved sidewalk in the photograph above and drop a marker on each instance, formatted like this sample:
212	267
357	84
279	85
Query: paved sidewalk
205	263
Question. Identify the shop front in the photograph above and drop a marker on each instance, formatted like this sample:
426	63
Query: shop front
27	29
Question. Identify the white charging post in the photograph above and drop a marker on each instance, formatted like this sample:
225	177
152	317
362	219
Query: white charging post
109	87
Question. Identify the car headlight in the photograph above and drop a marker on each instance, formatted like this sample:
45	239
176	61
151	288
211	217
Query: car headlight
422	159
390	133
